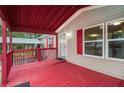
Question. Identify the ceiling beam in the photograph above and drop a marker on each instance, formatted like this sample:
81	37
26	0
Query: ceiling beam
33	30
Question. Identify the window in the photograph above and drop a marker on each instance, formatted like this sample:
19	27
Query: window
49	40
115	39
49	45
93	41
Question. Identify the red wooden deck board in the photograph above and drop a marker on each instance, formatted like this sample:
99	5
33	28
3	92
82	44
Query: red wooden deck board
64	74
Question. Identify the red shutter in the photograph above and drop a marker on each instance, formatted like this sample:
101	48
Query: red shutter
79	41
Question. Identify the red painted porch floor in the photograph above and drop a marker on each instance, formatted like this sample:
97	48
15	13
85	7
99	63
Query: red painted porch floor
52	73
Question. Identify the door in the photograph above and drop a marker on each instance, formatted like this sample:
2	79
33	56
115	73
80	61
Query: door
63	45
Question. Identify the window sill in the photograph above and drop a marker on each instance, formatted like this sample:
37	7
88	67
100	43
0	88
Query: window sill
115	59
101	57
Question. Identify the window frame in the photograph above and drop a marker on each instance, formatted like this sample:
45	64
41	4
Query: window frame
49	40
101	40
107	40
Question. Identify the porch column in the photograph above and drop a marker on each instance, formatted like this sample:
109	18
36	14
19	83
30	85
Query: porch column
4	54
10	41
56	45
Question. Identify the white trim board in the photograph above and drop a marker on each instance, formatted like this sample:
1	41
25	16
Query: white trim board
78	12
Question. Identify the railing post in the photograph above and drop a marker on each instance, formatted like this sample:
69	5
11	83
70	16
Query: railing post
4	54
38	54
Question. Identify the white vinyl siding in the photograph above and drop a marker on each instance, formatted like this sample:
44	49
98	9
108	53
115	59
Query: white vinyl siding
88	18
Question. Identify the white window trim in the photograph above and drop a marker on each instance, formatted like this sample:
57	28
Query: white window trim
93	41
115	39
107	40
102	40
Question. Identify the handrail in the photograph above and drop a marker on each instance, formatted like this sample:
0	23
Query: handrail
16	50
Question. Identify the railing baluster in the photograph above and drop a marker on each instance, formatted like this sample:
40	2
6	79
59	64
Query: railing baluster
24	56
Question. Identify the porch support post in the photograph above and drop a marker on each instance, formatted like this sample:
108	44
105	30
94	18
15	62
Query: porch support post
4	54
56	45
10	40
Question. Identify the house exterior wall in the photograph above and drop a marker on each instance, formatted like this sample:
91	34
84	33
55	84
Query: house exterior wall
46	42
88	18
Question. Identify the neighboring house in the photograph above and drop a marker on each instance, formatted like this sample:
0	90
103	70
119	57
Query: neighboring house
47	41
21	40
25	42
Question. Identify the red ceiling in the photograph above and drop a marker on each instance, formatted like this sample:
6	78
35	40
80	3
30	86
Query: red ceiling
38	19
